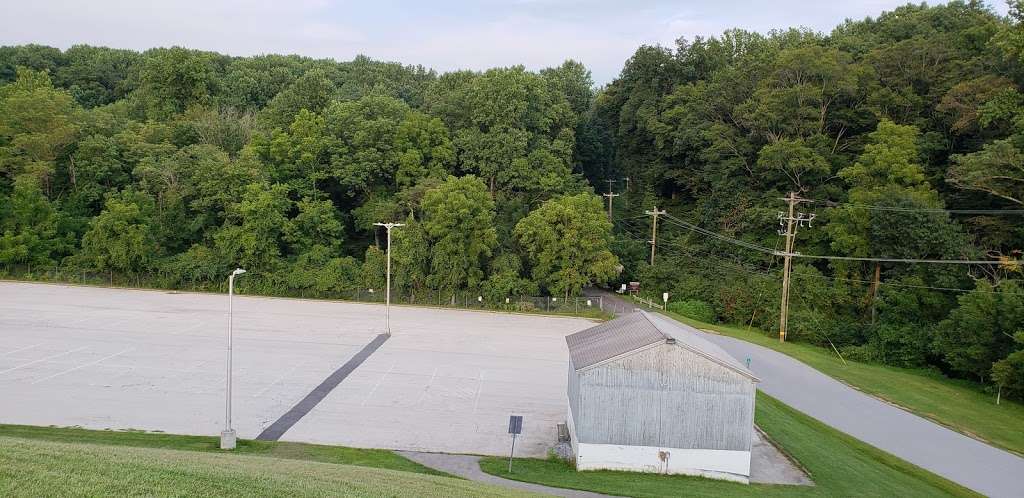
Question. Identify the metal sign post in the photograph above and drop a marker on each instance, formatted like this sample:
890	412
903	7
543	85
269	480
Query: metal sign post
515	428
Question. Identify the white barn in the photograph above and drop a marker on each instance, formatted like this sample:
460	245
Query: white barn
649	395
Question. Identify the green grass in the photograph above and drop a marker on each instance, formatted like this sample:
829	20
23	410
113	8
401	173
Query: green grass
839	465
959	405
34	467
383	459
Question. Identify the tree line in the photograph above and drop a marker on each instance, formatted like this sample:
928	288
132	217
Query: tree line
905	130
189	163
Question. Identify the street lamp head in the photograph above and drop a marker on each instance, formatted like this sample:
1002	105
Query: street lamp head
238	271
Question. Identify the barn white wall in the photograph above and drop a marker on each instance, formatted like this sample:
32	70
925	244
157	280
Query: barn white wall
715	464
665	395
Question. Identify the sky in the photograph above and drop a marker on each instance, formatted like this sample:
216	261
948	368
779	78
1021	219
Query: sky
443	35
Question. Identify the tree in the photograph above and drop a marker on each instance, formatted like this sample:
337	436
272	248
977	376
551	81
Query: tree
252	235
997	169
512	129
315	225
981	330
174	79
892	211
28	226
37	123
382	142
566	241
410	258
121	239
312	91
458	217
1008	373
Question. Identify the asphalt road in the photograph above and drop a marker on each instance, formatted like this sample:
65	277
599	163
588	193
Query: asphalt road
961	459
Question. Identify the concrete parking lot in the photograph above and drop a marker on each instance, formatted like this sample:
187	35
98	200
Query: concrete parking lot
447	380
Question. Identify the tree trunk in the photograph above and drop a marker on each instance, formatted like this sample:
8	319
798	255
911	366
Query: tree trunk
71	172
875	281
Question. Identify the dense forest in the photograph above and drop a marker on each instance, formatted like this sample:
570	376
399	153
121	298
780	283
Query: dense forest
904	135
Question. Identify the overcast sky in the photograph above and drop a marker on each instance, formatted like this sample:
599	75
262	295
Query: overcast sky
443	35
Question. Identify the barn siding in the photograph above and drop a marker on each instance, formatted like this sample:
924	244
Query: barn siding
574	392
664	396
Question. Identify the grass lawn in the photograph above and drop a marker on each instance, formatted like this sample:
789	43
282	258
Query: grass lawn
839	465
383	459
956	404
35	467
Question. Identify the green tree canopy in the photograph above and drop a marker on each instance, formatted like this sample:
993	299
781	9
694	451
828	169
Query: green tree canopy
566	241
458	217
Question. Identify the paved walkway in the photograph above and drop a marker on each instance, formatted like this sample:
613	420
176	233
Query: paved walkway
468	466
948	453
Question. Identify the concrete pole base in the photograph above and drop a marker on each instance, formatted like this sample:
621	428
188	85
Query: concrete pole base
228	440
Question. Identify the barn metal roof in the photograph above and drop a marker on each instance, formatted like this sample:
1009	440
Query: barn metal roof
636	331
612	338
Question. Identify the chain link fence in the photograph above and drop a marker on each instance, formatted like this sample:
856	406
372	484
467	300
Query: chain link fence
588	306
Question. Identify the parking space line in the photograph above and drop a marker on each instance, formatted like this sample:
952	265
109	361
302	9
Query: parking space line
20	349
279	379
101	360
375	386
479	389
427	389
48	358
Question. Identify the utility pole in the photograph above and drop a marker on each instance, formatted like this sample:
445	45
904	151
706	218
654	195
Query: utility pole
791	223
387	293
610	195
627	184
654	229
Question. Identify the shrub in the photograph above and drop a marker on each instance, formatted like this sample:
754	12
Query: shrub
698	310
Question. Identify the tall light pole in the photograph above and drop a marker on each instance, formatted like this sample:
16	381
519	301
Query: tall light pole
387	293
228	436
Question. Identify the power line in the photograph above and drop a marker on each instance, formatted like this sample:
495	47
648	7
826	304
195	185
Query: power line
911	286
766	274
766	250
725	238
907	260
672	250
833	204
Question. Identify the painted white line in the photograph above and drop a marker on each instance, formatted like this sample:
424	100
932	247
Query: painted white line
375	386
40	360
58	374
276	381
21	349
479	389
87	318
427	389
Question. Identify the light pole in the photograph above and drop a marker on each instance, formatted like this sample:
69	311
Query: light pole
228	436
387	293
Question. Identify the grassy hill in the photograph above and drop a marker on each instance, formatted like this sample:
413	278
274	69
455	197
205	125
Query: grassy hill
34	467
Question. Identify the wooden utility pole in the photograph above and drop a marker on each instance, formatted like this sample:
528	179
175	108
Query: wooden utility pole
654	230
610	195
790	234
